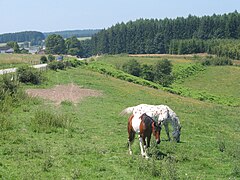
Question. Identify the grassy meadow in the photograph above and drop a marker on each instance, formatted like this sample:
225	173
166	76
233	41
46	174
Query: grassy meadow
92	144
13	60
220	80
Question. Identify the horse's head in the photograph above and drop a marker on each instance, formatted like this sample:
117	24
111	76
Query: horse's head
156	130
176	134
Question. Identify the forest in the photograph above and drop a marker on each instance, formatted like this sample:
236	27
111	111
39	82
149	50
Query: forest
77	33
216	34
27	36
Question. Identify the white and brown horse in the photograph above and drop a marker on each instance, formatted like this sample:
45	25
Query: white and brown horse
144	126
161	113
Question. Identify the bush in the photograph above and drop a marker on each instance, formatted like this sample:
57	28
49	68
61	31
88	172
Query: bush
28	74
147	72
132	67
162	73
51	58
43	59
55	65
9	84
74	63
10	94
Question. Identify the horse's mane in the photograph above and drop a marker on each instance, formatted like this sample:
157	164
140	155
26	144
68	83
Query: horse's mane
174	117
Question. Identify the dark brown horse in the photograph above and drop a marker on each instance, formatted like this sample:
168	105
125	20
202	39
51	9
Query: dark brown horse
144	126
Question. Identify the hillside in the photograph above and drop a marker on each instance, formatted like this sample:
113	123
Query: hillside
93	143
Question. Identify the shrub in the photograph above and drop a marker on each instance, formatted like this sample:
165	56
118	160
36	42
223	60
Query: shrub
132	67
28	74
61	65
162	72
55	65
9	84
147	72
11	95
51	58
43	59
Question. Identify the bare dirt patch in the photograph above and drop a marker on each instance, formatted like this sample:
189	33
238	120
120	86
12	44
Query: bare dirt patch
59	93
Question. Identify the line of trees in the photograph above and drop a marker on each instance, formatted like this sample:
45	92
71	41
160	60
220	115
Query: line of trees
229	48
155	36
28	36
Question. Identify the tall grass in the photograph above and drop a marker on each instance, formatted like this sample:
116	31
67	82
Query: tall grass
48	120
13	60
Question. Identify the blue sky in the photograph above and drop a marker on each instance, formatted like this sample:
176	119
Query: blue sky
57	15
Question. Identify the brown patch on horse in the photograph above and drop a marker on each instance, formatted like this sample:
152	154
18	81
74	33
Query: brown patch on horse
131	132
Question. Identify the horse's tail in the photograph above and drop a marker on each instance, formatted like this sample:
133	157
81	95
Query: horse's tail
128	110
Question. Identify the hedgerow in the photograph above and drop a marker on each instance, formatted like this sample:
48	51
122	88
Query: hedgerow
110	70
61	65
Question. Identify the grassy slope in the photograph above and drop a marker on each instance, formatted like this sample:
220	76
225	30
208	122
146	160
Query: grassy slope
96	145
219	80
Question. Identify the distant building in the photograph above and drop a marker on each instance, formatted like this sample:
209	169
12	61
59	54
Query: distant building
6	49
59	58
42	51
33	49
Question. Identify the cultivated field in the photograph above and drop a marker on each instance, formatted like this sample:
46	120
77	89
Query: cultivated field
90	142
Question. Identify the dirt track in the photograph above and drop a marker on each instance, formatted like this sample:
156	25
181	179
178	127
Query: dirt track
59	93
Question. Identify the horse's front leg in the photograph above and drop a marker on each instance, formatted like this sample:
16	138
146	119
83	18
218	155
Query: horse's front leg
148	141
147	145
167	131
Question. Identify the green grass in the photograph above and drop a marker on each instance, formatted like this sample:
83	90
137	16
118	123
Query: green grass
94	146
223	80
219	80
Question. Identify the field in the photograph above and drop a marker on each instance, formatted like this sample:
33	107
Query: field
13	60
83	38
222	81
92	145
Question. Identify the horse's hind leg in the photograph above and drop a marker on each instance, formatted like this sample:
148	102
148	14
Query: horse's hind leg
141	142
167	131
131	136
